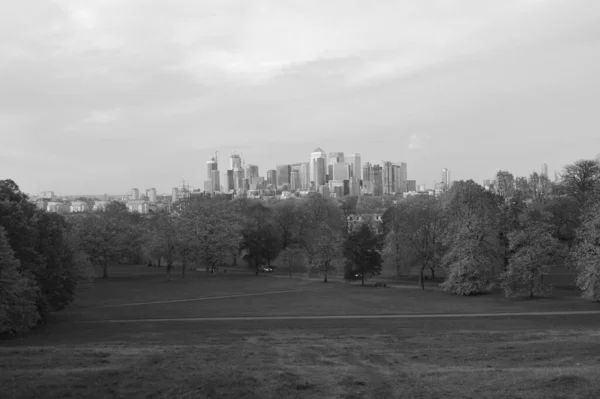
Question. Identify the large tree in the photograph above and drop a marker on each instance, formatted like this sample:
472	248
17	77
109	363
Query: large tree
396	231
581	180
586	253
18	293
471	237
362	250
327	247
505	184
532	248
210	230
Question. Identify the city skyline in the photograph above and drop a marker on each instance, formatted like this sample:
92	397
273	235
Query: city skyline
91	102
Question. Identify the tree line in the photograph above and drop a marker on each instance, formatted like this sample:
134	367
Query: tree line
508	237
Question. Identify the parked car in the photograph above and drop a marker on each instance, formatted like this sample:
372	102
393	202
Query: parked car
265	269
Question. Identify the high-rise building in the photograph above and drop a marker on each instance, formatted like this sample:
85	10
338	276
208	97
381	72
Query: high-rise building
272	177
318	168
211	165
377	180
335	157
295	184
545	170
446	181
174	194
230	182
354	160
283	175
388	178
411	185
341	171
251	171
216	182
238	180
235	161
305	175
135	194
152	195
366	171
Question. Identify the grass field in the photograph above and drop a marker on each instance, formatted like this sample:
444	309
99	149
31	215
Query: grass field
94	350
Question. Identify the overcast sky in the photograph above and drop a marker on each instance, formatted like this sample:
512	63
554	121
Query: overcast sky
102	96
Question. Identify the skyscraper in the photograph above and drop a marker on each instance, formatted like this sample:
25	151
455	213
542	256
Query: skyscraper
251	171
174	194
354	160
272	177
283	175
230	182
216	181
211	165
317	168
295	180
341	171
366	171
152	195
238	180
305	175
135	194
235	161
377	180
446	181
545	170
388	178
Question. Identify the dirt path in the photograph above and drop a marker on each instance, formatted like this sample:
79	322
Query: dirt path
353	317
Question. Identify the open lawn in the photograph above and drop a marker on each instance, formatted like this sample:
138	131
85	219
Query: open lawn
80	354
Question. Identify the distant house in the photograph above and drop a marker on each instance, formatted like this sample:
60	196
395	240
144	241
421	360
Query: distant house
374	220
79	206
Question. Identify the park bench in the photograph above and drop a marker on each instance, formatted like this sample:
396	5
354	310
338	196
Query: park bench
379	284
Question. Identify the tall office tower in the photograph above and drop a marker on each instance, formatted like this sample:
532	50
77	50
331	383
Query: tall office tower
332	159
272	177
317	173
238	180
387	173
152	195
295	184
211	165
174	194
403	176
354	160
545	170
135	194
411	185
377	180
400	177
283	175
230	182
235	161
216	182
341	171
446	178
366	171
251	171
305	175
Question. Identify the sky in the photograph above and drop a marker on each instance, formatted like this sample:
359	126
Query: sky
103	96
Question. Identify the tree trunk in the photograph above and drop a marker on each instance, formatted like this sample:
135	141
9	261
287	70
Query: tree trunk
159	260
363	279
325	277
290	269
421	278
105	269
183	266
169	266
234	259
432	273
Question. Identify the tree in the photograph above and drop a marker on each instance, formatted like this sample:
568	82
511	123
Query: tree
472	238
362	252
288	256
101	237
164	239
424	238
505	184
585	254
209	230
539	187
327	247
18	293
532	248
286	219
581	180
395	231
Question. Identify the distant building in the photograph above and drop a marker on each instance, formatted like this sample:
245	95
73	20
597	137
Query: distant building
100	205
318	168
235	161
58	207
305	175
355	165
216	181
135	194
230	186
377	180
411	185
421	188
272	177
174	194
251	171
238	180
79	206
283	175
373	220
49	195
139	206
211	165
295	184
152	195
446	180
324	191
341	171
